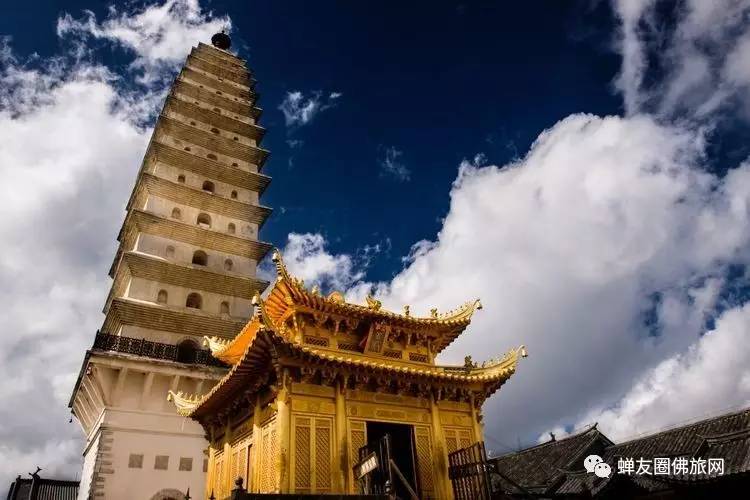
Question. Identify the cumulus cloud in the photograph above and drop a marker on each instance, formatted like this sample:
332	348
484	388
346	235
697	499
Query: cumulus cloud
73	139
392	165
299	110
711	374
605	250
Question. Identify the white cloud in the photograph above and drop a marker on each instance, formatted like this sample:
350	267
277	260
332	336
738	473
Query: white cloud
569	249
72	144
392	165
689	65
300	110
712	374
159	34
306	257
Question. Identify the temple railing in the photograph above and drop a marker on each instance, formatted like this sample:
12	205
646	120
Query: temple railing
154	350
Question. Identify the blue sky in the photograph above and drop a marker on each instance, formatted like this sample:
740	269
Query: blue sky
580	166
437	85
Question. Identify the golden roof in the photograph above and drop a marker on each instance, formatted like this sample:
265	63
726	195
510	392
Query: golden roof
250	352
290	292
249	371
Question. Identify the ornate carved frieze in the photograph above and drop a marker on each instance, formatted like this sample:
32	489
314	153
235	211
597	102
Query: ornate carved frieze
313	390
376	412
313	406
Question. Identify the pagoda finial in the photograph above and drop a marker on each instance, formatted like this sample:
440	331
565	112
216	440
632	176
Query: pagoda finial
221	40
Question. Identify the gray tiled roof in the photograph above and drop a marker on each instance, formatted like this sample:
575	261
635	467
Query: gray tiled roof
48	489
555	467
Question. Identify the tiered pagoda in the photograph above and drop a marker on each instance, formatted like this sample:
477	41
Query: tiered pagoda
314	378
185	268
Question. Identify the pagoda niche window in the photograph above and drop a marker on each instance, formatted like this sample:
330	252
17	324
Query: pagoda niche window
161	297
231	228
176	214
194	301
215	130
234	195
209	187
169	252
200	258
204	220
224	308
181	179
228	264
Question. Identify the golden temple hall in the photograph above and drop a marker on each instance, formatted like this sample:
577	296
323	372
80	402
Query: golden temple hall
314	378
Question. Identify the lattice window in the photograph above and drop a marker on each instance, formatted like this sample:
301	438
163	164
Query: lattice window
358	433
161	462
302	473
135	461
349	346
313	438
322	454
186	464
424	459
218	475
242	464
266	470
234	466
269	453
464	437
319	341
451	439
420	358
392	354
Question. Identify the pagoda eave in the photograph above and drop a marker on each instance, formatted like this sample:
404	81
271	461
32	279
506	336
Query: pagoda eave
195	60
223	54
179	105
167	126
212	169
140	265
217	98
186	321
149	184
220	59
192	75
150	223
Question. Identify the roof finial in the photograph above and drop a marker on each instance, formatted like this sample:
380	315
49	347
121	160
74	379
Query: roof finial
221	40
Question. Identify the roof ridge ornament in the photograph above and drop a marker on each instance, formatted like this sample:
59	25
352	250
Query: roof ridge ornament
261	313
185	403
281	271
373	303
